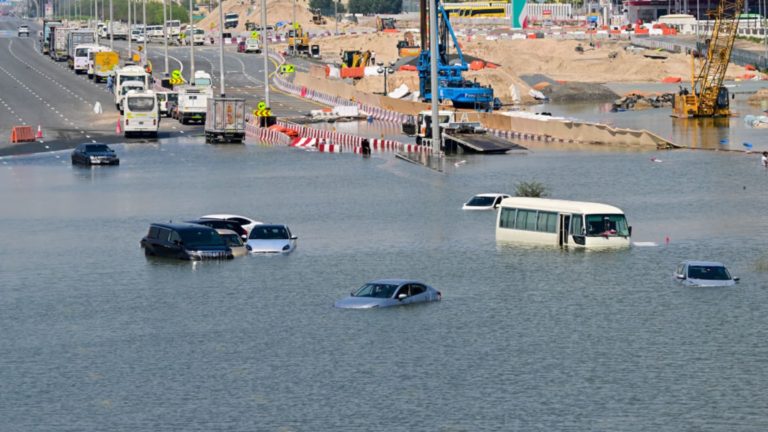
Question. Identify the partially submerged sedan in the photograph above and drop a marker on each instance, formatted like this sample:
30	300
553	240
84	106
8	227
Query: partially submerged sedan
271	239
94	154
485	201
389	292
704	274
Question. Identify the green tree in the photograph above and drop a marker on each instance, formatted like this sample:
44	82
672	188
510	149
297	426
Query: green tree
376	6
326	6
120	11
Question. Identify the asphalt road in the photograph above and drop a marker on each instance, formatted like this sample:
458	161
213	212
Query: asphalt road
37	91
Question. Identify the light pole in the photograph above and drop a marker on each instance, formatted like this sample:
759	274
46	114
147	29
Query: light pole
386	71
111	27
336	16
191	40
165	39
221	47
293	24
130	32
436	147
144	30
265	41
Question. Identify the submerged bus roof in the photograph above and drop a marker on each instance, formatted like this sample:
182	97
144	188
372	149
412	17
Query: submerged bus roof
557	205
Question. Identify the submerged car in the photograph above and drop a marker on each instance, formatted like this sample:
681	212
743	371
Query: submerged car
185	241
246	222
271	239
389	292
23	30
221	224
234	241
94	154
704	274
485	201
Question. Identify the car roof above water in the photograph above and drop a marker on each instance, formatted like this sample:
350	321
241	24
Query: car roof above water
181	226
703	263
395	281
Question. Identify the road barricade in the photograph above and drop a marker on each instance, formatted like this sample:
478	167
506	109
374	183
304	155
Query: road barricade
22	134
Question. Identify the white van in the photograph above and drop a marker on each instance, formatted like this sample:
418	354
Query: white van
166	100
141	114
127	74
154	32
571	224
194	35
80	61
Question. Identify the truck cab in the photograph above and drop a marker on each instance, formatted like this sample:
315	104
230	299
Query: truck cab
129	74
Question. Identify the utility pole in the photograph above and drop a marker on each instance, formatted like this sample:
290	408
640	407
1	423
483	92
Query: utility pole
221	48
293	24
436	141
165	39
336	16
111	27
130	31
144	30
191	39
266	49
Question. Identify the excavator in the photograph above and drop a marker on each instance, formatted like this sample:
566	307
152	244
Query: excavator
708	96
355	58
385	24
452	85
298	43
407	47
317	17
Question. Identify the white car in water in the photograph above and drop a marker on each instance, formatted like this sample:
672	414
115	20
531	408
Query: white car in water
485	201
271	239
245	222
704	274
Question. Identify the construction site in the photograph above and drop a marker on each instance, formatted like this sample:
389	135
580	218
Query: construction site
491	68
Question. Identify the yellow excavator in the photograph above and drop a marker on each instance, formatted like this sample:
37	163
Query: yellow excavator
298	43
708	97
355	58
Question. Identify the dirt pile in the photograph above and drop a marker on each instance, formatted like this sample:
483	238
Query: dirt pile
277	10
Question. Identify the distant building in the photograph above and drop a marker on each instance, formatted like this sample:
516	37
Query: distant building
410	5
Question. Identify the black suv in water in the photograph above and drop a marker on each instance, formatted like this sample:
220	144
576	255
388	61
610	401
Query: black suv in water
185	241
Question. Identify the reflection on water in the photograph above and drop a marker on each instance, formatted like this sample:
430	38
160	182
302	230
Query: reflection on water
98	337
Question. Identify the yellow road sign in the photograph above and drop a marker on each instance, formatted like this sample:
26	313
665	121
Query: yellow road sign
254	35
287	68
261	105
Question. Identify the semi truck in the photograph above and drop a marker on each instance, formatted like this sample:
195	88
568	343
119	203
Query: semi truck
225	120
58	44
75	38
45	34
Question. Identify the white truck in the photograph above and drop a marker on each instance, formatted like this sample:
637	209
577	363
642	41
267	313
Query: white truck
129	74
76	38
81	55
193	103
118	29
225	120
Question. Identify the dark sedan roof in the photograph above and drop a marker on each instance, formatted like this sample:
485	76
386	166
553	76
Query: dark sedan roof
181	226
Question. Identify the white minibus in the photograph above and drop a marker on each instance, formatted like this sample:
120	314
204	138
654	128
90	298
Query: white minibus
80	59
571	224
141	114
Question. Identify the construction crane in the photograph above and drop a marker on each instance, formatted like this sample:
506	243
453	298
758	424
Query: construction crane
708	96
452	85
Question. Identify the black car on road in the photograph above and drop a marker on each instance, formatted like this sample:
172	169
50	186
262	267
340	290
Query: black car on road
185	241
94	154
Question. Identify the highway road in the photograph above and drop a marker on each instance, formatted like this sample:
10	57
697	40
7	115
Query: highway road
36	91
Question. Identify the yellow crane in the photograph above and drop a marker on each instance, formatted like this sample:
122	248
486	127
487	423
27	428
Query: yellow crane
708	97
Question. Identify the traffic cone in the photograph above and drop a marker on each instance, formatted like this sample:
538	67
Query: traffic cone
118	129
39	132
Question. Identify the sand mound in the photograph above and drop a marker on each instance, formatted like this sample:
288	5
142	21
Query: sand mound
275	8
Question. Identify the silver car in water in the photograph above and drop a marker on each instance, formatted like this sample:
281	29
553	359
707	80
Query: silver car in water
389	292
704	274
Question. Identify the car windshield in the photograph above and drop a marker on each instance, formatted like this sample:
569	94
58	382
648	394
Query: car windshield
144	103
81	52
481	201
376	290
607	225
202	82
708	272
91	148
270	232
232	239
201	237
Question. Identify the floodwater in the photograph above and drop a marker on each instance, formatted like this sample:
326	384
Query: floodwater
97	337
711	134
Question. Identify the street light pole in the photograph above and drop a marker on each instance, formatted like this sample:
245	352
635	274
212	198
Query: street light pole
336	16
144	31
221	47
436	147
165	38
191	40
111	27
130	31
265	41
293	24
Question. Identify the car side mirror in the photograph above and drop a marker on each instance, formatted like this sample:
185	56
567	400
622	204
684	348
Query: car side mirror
736	279
402	296
681	277
294	237
630	231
